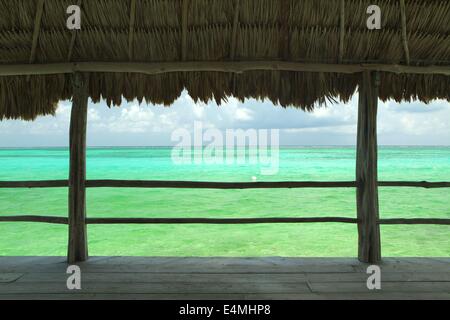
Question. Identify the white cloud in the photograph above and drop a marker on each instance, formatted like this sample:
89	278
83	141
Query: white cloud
132	118
398	119
414	123
244	114
93	115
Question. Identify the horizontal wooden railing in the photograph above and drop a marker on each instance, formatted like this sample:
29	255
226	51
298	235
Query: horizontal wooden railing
40	219
219	185
63	220
416	221
414	184
35	184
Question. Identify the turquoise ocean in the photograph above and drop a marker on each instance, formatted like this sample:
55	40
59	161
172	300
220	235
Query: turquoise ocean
293	163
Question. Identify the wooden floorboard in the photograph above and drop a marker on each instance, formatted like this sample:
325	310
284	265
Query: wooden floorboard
159	288
229	277
274	278
308	296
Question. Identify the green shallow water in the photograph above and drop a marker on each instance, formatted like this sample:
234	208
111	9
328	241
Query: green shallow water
324	163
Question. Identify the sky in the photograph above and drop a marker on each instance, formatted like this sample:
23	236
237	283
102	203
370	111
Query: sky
153	125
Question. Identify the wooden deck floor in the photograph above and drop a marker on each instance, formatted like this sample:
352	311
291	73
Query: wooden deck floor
223	278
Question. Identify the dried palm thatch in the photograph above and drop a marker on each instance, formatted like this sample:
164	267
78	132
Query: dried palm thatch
220	30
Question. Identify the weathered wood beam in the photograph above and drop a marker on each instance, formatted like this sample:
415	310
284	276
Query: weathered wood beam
63	220
155	68
418	221
131	31
184	29
74	38
341	31
217	221
38	219
369	244
404	31
37	29
215	185
415	184
35	184
77	249
234	33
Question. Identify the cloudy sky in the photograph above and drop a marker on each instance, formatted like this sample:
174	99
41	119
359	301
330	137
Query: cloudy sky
149	125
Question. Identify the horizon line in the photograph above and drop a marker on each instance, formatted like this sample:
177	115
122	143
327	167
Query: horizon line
173	146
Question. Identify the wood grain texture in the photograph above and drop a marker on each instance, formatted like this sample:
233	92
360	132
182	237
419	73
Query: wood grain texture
223	278
260	296
361	287
369	244
301	277
77	247
193	265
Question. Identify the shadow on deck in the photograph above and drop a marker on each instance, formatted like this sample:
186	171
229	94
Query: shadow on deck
223	278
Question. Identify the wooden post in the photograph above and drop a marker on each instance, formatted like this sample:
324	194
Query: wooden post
369	245
77	250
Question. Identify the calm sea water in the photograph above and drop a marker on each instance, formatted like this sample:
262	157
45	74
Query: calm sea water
321	163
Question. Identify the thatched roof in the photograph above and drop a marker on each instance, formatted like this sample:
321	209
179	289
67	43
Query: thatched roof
220	30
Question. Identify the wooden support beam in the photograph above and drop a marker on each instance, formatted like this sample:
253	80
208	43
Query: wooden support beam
404	31
131	31
237	8
74	38
184	29
369	245
155	68
341	31
77	249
